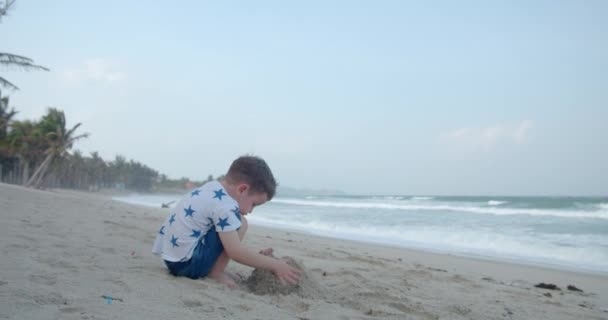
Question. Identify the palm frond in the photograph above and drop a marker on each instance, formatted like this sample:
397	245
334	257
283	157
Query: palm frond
71	131
7	84
80	136
4	7
13	60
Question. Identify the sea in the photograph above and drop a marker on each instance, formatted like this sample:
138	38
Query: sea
560	232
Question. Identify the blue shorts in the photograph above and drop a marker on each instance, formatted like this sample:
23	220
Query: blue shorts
203	258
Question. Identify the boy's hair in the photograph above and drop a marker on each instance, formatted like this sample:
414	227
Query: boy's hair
255	172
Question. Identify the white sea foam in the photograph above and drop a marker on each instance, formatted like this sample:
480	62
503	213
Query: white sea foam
496	202
602	206
155	200
599	214
570	243
422	198
446	239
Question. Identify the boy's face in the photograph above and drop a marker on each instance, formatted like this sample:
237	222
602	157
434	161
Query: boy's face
248	200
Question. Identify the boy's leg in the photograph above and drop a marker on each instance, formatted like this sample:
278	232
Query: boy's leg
217	272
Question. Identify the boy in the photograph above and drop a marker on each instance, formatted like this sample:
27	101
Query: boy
203	232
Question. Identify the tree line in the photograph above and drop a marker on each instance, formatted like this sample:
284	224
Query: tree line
37	153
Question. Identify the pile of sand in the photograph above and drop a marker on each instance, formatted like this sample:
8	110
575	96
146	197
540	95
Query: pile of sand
264	282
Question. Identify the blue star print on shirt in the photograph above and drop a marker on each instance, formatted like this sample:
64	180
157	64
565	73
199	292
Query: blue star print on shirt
195	233
162	230
174	241
172	219
219	194
237	212
195	193
223	223
189	211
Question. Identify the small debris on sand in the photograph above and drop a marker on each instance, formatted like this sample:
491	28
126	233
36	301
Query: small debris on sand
549	286
573	288
166	205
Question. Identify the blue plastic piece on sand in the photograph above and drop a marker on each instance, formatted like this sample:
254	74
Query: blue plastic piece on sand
109	300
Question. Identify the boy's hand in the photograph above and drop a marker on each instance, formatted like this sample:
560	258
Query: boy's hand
286	273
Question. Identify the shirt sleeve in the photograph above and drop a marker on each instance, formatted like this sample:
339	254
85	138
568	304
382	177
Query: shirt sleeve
227	219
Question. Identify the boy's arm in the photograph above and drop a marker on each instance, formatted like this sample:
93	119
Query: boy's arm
237	252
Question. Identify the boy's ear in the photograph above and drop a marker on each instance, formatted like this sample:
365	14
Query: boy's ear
242	188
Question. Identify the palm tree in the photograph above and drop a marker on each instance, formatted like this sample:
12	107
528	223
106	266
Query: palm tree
6	115
13	60
97	170
4	7
60	141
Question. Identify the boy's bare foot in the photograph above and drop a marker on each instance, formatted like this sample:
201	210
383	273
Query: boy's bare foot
224	278
266	252
235	276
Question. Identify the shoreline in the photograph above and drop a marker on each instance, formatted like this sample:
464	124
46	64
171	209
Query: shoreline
469	255
457	263
480	257
66	250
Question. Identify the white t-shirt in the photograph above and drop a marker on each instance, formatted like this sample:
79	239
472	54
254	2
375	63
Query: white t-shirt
206	207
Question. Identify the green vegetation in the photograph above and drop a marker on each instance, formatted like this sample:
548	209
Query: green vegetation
37	154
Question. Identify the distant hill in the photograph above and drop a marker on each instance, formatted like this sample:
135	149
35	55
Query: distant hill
283	191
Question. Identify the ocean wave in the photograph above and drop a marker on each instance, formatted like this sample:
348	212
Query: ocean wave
496	202
518	247
599	214
393	198
422	198
154	201
602	206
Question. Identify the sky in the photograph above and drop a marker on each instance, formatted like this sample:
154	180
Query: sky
367	97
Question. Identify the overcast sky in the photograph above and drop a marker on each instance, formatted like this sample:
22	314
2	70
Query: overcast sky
381	97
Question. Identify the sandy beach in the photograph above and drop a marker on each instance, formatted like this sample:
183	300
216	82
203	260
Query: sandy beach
78	255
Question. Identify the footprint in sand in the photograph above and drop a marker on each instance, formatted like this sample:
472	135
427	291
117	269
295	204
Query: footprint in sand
195	304
123	285
366	260
419	273
43	279
108	250
460	310
51	298
192	303
72	310
354	274
414	310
